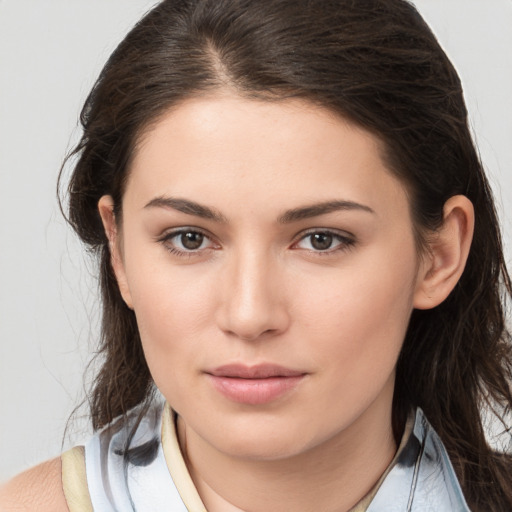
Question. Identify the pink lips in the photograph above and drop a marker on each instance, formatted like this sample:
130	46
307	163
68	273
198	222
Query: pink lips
254	385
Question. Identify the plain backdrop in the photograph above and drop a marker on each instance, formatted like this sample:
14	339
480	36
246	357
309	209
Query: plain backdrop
50	54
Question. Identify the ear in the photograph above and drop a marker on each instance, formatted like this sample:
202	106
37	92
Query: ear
446	256
106	210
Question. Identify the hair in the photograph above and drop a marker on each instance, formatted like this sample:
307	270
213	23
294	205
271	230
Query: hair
377	64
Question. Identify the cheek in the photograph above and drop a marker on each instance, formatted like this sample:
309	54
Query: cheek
173	306
170	325
355	336
360	313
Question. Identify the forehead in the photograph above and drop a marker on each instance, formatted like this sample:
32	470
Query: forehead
227	147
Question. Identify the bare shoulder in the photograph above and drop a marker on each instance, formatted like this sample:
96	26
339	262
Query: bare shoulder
39	488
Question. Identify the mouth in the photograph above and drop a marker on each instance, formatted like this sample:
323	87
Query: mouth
254	385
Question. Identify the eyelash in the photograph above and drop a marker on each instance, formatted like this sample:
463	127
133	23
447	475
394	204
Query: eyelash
165	240
345	242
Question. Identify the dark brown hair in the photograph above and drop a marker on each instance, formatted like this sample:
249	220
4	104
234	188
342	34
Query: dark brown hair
378	64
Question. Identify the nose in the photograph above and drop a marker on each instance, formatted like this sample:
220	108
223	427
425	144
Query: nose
253	298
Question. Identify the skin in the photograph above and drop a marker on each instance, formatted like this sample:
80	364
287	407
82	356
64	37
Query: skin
258	290
38	488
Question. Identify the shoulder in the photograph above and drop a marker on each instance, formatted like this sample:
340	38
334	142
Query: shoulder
39	488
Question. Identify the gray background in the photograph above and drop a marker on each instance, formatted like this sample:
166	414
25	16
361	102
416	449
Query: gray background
50	53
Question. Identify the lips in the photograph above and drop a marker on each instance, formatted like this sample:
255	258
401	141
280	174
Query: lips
254	385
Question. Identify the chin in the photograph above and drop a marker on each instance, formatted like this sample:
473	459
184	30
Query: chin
264	450
262	441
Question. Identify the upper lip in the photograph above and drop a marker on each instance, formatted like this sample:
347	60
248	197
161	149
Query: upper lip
260	371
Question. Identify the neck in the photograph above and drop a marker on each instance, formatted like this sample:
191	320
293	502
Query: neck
332	476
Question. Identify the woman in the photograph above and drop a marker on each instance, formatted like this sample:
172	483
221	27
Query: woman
299	249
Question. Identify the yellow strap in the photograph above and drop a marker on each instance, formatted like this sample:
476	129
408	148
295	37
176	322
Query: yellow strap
363	505
176	464
74	480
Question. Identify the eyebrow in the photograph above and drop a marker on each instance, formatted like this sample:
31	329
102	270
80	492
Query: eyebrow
316	210
188	207
293	215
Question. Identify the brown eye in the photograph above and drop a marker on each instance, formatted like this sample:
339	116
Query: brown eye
191	240
187	242
327	242
321	241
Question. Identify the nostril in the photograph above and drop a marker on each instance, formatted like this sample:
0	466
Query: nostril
257	336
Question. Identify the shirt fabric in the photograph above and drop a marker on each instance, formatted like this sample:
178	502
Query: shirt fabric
152	475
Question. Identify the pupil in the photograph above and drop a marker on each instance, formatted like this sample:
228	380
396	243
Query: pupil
192	240
321	241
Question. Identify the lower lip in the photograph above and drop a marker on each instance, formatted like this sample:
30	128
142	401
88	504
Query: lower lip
254	391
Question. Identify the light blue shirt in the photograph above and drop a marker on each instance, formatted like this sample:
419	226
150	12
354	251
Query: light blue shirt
421	480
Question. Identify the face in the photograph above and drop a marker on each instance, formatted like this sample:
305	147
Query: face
269	257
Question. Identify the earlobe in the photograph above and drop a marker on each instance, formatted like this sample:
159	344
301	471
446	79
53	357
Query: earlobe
106	210
443	265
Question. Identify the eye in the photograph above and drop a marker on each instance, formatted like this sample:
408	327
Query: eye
324	241
191	241
186	241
